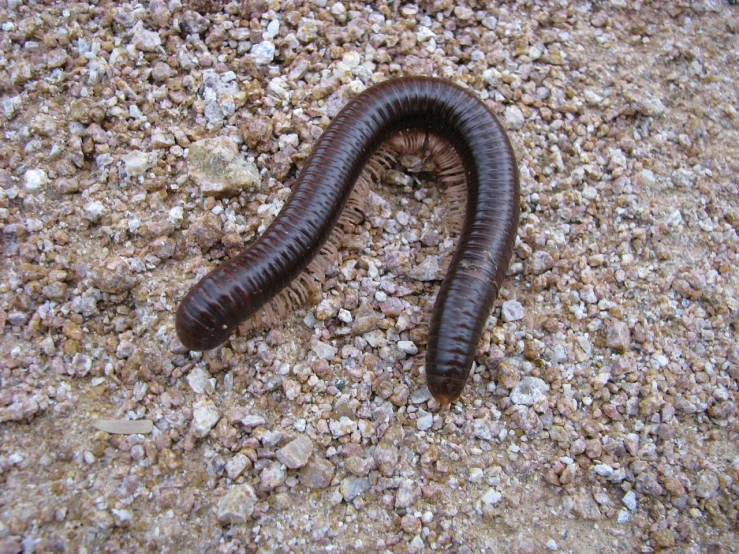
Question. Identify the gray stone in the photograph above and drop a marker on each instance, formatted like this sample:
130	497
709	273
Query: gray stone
514	117
263	52
352	486
491	497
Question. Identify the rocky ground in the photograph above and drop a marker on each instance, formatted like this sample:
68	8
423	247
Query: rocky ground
601	416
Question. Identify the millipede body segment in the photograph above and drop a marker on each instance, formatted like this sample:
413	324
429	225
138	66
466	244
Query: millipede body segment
236	290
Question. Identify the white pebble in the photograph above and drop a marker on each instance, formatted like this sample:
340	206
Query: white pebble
425	422
94	210
176	215
34	179
491	497
512	311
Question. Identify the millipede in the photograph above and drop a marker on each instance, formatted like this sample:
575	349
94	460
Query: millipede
279	269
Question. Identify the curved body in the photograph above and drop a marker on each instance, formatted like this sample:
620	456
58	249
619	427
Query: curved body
214	308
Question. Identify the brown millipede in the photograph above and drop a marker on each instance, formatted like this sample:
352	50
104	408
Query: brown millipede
236	290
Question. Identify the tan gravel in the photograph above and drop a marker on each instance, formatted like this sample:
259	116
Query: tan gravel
601	416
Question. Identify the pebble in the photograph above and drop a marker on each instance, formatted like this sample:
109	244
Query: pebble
95	210
219	169
428	270
408	494
198	379
351	487
528	391
205	415
136	163
618	336
236	466
272	477
425	421
296	453
317	473
707	485
35	179
514	117
263	52
512	311
114	276
144	40
491	497
237	505
541	261
629	500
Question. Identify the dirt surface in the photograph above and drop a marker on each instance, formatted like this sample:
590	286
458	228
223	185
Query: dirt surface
601	413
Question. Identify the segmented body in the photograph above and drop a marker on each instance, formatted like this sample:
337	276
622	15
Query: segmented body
236	290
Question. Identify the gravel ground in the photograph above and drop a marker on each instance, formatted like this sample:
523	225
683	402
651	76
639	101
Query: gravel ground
144	142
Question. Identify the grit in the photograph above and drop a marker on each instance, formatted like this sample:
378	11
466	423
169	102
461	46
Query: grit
145	142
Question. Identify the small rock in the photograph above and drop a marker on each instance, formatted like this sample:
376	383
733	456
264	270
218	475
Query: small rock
365	320
425	421
428	270
352	486
629	500
263	52
114	276
218	168
94	210
707	485
146	41
237	505
512	311
323	350
514	117
421	395
35	179
650	107
664	538
541	261
343	426
236	465
136	163
198	380
10	546
528	391
124	426
408	493
674	486
271	477
317	473
296	453
618	336
491	497
204	417
407	347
